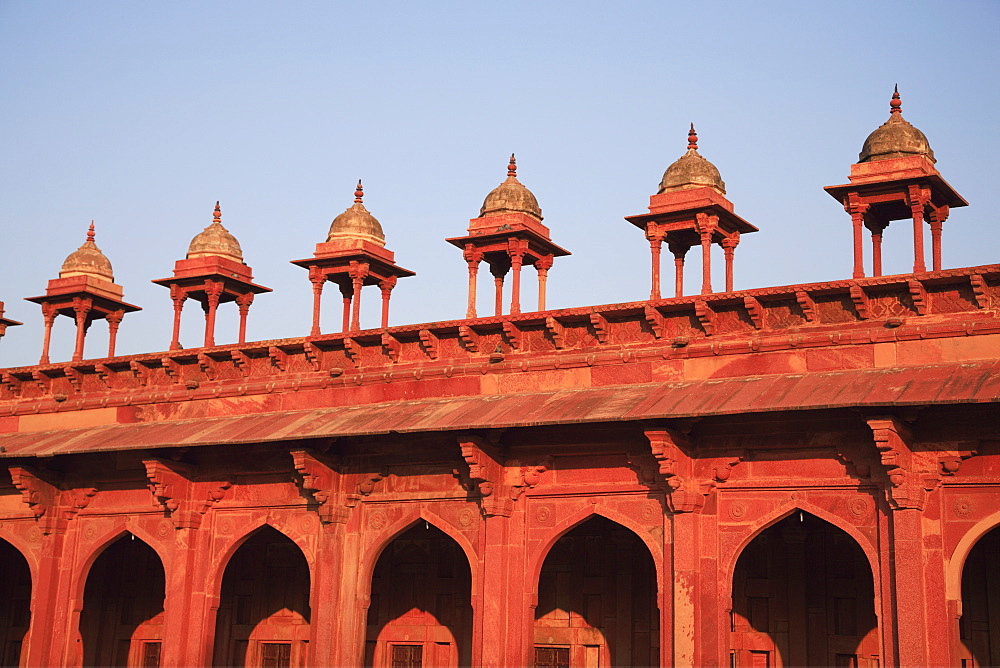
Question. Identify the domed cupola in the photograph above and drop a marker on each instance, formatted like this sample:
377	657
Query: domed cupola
357	223
215	240
895	138
87	260
511	197
691	170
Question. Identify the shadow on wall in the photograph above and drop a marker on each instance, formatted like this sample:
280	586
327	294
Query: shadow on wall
597	600
264	612
420	612
803	589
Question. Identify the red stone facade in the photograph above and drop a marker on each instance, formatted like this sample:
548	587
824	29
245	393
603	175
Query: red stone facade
802	475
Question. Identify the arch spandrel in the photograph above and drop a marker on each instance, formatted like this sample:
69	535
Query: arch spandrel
227	545
105	540
23	547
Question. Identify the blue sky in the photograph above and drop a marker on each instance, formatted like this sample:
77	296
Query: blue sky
141	115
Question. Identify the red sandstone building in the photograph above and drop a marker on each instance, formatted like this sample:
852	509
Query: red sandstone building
798	475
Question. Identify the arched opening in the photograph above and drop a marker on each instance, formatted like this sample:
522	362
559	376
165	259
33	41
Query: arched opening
15	603
121	623
263	618
979	626
597	602
803	595
420	612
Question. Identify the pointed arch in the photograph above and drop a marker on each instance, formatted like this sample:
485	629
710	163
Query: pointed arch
263	608
106	540
536	559
17	586
757	528
956	562
221	558
21	546
123	601
374	549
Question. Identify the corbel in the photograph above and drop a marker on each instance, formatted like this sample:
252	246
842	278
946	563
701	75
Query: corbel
807	305
655	319
140	372
429	342
705	315
676	468
860	300
208	366
75	377
951	461
919	295
322	480
391	347
979	290
723	468
42	380
366	486
352	349
279	358
600	326
469	338
755	311
513	334
42	496
11	382
104	373
487	474
556	331
529	476
172	368
184	499
313	354
907	487
241	361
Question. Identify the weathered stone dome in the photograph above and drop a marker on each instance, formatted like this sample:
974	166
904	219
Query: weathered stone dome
895	138
215	240
356	223
87	260
691	170
511	197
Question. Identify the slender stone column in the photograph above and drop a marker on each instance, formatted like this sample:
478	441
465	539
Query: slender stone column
473	257
542	265
706	263
877	253
49	314
937	218
729	245
317	279
243	302
356	282
498	271
386	285
114	320
212	293
179	297
655	244
678	251
515	289
857	211
82	309
347	293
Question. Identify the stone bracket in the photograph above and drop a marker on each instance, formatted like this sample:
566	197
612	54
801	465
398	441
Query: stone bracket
513	334
207	365
322	479
500	483
860	300
979	291
279	358
391	346
241	361
919	295
755	311
312	354
469	338
807	305
705	315
908	486
430	343
656	321
601	327
51	505
557	332
175	489
685	494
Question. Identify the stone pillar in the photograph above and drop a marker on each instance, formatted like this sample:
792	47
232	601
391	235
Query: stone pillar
243	302
386	285
729	245
706	224
81	307
678	251
655	238
516	259
347	295
502	603
179	297
857	211
937	218
213	291
49	314
358	272
114	319
498	271
918	198
318	279
473	257
542	266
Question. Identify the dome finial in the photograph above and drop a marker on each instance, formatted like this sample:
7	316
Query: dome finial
895	104
359	193
217	214
90	232
512	166
692	138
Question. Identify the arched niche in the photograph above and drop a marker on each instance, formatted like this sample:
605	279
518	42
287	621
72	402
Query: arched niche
420	610
979	625
264	613
15	603
121	623
803	594
597	599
